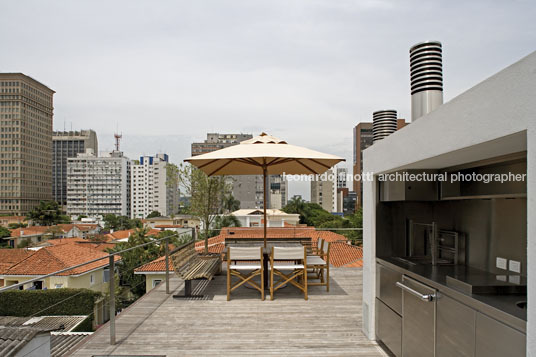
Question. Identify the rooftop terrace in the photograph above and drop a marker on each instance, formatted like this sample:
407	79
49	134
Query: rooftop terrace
328	324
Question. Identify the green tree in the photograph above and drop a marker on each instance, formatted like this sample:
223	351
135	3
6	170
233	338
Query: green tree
4	232
206	195
230	204
313	214
17	225
54	231
48	213
134	258
119	223
222	222
295	205
173	182
24	243
154	214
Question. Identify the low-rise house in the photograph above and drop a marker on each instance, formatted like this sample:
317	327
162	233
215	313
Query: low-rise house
78	230
10	257
40	335
94	276
24	341
5	221
32	235
275	218
101	245
184	220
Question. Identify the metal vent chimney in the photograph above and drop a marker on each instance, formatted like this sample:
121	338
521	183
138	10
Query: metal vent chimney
426	66
383	124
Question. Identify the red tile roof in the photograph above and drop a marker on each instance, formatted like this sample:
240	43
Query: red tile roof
126	233
82	227
342	254
29	231
157	265
50	259
57	241
10	257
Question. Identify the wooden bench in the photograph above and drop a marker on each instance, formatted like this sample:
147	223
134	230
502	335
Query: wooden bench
188	266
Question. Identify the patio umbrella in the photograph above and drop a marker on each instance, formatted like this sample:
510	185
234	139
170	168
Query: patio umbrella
264	155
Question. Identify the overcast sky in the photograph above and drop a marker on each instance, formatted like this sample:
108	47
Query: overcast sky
167	72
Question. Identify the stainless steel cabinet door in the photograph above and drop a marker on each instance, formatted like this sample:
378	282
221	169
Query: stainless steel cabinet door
418	318
455	334
494	339
386	289
389	328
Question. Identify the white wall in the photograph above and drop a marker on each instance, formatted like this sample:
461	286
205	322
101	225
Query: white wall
494	118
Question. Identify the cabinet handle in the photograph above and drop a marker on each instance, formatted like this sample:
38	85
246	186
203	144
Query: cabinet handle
427	297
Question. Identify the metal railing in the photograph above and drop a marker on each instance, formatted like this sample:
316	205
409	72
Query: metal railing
111	264
194	234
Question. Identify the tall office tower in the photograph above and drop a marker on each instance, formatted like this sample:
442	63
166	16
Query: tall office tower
150	189
246	188
66	144
324	191
362	140
98	184
342	172
277	198
26	112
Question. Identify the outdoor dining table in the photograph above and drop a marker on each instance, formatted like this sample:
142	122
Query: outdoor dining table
266	251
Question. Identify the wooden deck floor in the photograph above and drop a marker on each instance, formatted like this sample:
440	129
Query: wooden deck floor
328	324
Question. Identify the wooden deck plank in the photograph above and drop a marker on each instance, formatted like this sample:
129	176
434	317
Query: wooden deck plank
328	324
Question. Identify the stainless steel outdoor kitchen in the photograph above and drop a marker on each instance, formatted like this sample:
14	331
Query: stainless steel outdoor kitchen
438	291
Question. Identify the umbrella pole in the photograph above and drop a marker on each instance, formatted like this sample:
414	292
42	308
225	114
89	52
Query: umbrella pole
264	174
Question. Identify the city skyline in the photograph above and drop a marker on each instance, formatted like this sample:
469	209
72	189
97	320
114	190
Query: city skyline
290	70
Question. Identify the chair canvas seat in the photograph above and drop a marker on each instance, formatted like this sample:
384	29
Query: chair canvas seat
244	266
285	266
283	260
251	265
315	260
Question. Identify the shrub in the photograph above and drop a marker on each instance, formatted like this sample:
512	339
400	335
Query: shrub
48	302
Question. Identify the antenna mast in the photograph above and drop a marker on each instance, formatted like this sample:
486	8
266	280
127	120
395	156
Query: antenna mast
117	139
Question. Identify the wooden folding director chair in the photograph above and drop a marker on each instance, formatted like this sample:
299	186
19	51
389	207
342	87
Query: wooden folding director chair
244	259
293	259
320	266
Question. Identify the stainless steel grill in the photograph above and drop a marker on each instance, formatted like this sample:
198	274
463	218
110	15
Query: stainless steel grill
383	124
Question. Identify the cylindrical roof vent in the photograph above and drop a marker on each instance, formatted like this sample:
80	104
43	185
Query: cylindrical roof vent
426	68
383	124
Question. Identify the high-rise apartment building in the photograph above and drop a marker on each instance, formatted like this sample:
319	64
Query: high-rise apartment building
246	188
362	140
26	112
324	190
66	144
217	141
98	184
150	189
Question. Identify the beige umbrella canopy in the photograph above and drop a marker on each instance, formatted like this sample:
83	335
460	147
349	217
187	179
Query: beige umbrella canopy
264	155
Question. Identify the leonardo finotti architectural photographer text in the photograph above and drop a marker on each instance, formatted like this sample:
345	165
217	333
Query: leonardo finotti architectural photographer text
414	176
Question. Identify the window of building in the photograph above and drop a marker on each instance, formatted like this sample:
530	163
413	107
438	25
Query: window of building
156	282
